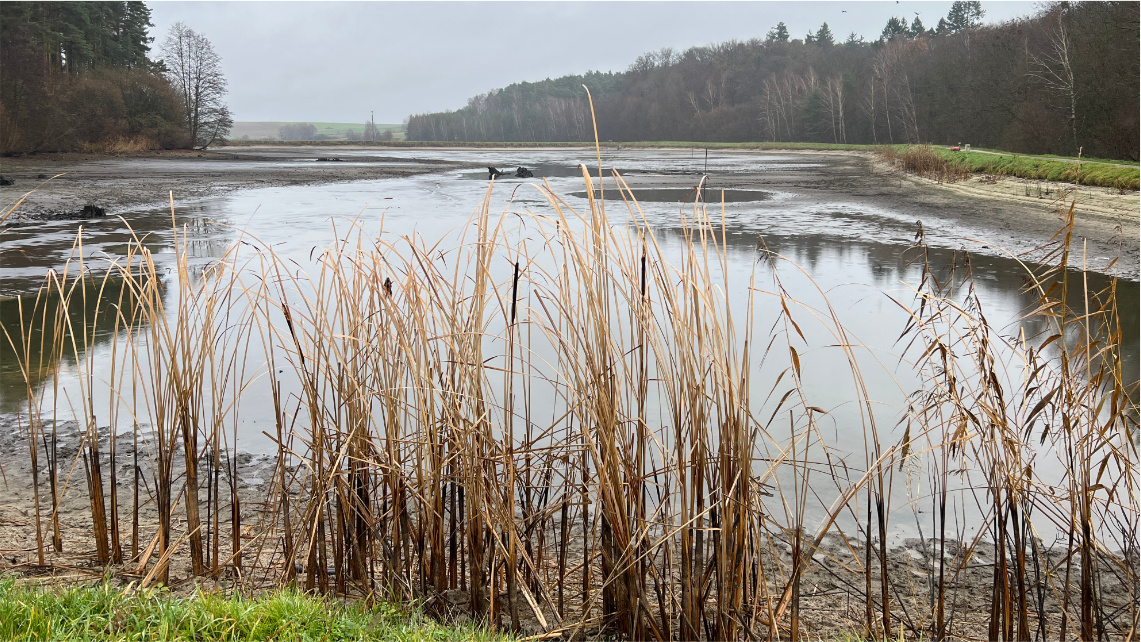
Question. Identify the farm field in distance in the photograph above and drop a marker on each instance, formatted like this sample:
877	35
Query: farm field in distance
270	130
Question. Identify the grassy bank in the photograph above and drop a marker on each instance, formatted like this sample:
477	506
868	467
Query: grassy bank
270	130
943	164
1085	172
107	612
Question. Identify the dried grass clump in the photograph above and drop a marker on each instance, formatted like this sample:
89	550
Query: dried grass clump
922	160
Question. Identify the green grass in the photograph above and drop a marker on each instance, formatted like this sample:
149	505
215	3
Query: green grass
1084	159
341	129
1096	173
105	612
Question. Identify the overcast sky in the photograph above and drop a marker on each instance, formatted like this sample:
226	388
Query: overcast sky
336	61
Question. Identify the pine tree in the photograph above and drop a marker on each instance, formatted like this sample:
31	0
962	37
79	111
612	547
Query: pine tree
917	28
824	36
778	33
965	14
895	27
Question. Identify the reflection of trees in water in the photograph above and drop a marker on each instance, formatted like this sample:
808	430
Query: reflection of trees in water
30	252
998	279
37	333
27	253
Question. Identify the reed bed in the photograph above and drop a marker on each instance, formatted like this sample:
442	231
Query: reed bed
556	426
922	160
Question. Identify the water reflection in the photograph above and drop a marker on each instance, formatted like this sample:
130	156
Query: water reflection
29	250
1002	284
39	337
680	195
834	242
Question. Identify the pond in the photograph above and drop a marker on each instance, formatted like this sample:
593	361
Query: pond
858	259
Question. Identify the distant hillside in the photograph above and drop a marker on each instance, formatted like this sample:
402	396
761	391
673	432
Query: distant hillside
271	130
1062	80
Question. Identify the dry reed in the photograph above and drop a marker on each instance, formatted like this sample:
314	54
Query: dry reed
560	421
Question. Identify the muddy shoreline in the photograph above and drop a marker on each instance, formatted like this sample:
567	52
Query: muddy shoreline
1014	214
70	181
831	584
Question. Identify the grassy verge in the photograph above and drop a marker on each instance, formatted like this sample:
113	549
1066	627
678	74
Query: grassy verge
1098	174
107	612
1084	159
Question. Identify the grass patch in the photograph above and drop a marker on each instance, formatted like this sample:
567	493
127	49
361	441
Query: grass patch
106	612
1094	173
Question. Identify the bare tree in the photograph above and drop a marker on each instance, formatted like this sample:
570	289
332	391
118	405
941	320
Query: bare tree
195	71
1055	69
833	104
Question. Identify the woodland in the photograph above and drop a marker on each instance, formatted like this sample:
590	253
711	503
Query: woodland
78	76
1062	80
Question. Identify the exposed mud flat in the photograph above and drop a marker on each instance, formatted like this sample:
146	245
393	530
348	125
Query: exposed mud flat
146	182
1013	214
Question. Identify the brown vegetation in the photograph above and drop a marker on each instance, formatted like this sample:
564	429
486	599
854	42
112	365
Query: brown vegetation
77	77
921	160
562	430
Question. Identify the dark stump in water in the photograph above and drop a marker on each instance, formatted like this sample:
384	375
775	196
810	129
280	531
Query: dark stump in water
6	181
91	211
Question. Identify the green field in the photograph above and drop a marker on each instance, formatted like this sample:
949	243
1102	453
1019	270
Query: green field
269	130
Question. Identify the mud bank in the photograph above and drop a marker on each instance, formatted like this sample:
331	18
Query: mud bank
982	212
70	181
832	582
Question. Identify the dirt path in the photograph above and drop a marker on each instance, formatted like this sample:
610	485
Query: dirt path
1061	160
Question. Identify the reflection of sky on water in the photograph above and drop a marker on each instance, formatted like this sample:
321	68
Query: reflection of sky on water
857	255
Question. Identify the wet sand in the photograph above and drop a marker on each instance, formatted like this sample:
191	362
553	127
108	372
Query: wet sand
1014	214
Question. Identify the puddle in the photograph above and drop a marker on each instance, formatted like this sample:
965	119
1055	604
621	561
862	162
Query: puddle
682	195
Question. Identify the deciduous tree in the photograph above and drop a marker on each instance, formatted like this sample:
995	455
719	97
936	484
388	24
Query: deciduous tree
195	70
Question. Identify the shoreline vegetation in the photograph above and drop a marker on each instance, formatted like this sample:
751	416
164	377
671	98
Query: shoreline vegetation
657	491
105	611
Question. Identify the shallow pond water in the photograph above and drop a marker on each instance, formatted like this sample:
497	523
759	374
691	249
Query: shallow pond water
859	258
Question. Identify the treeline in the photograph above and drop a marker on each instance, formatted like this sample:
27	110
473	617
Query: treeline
550	110
1063	79
76	76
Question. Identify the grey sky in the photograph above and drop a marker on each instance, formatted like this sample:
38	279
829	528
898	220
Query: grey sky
336	61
